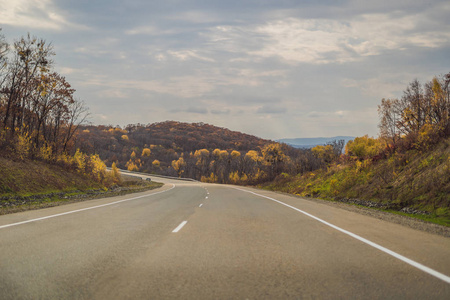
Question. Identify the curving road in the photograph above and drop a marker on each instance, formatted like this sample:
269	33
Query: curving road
190	240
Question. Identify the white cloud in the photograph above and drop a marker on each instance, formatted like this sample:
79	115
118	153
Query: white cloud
196	17
149	30
324	41
112	93
321	41
272	109
34	14
183	86
388	86
188	55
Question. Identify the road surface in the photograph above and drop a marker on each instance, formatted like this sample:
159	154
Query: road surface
190	240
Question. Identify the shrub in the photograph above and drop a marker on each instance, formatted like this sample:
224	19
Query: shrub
115	173
45	152
364	147
23	144
80	161
428	135
97	167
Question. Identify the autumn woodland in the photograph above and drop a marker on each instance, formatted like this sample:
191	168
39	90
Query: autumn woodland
199	151
41	119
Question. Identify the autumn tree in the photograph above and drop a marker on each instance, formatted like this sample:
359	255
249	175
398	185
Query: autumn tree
115	173
325	153
146	152
4	48
421	115
389	117
202	163
156	163
363	147
274	157
178	165
36	102
134	163
31	59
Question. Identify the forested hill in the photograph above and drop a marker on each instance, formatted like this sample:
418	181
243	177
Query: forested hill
170	135
201	151
193	136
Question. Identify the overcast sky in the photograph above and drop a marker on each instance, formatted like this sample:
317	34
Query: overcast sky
274	69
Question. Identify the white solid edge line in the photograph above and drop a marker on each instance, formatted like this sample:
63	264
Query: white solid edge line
179	226
411	262
83	209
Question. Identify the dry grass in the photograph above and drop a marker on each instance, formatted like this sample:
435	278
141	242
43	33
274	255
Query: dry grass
25	177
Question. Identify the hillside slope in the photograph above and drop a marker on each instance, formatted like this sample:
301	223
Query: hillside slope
411	182
199	151
165	142
174	135
22	178
32	184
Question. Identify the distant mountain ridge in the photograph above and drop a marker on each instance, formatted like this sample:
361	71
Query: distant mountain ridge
312	142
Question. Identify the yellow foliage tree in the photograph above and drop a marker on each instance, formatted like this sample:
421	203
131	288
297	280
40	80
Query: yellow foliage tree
178	165
254	156
235	154
223	154
45	152
133	156
23	144
428	135
115	173
98	167
324	152
131	166
273	154
364	147
211	178
146	152
234	177
80	161
156	163
201	153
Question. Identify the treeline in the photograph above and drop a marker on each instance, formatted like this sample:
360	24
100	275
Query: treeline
38	112
405	168
421	117
199	151
39	115
416	121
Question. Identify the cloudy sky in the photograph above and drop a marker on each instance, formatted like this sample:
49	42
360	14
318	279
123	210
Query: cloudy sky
275	69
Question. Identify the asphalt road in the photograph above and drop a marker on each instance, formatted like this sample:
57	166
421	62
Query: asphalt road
230	243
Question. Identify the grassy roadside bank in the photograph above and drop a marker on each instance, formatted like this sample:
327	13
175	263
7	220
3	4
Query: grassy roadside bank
37	201
414	184
29	184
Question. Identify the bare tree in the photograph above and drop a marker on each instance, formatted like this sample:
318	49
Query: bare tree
78	114
337	146
4	48
31	57
389	118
